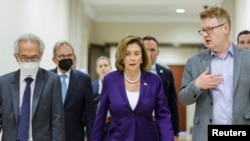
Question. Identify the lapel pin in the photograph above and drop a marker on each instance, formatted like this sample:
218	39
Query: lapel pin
161	71
145	84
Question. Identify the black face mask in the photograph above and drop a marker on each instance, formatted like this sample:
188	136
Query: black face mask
65	64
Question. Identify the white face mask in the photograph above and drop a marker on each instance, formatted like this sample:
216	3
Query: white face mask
29	68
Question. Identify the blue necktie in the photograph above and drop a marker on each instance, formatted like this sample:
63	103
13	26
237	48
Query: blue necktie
64	86
24	118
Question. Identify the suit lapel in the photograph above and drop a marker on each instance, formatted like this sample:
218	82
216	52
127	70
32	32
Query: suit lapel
206	62
15	94
120	87
37	90
159	71
144	85
71	86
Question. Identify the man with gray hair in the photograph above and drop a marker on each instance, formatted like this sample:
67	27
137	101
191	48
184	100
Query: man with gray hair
30	97
77	94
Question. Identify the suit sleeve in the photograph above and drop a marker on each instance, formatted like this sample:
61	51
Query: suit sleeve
0	118
89	110
188	92
172	102
99	124
57	119
163	115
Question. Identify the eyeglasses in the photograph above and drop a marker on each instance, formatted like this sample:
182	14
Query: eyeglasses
62	56
24	58
208	30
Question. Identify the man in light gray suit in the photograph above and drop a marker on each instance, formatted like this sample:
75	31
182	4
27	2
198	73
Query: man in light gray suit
217	79
44	114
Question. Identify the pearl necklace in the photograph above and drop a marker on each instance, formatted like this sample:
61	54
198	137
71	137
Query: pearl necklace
132	81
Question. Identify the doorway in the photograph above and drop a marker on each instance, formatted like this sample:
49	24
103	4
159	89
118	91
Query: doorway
177	73
96	51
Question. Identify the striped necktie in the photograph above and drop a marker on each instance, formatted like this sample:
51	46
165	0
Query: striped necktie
24	118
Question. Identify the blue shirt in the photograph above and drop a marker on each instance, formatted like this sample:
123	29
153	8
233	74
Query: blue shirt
223	94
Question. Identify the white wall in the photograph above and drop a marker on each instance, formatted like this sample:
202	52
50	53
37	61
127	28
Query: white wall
46	18
80	26
242	16
165	32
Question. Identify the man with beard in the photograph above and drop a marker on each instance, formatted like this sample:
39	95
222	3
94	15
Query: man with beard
77	93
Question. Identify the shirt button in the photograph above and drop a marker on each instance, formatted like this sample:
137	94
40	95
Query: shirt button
195	96
210	120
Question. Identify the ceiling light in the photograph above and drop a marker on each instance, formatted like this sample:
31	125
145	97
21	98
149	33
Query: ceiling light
180	10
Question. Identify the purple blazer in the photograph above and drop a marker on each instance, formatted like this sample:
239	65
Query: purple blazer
133	125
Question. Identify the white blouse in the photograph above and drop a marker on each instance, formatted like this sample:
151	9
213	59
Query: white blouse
133	98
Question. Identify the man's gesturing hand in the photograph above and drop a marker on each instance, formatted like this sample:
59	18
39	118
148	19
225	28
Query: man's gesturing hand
207	81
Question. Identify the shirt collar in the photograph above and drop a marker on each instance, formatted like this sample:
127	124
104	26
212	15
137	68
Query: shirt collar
229	51
60	73
153	67
22	77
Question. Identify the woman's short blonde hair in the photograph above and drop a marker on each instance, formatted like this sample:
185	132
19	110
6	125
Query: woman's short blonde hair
121	51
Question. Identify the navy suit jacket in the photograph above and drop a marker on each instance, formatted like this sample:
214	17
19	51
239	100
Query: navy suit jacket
95	88
169	88
47	108
133	125
78	106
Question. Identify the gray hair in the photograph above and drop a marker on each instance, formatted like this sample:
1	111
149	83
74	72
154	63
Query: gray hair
29	37
60	43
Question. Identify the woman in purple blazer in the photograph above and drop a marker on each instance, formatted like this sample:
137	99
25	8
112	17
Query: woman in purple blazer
132	94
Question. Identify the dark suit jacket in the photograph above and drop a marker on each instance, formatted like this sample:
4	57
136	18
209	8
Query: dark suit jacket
0	118
203	100
95	88
47	113
133	125
169	88
78	105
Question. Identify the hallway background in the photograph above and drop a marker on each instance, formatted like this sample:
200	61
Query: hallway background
55	20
